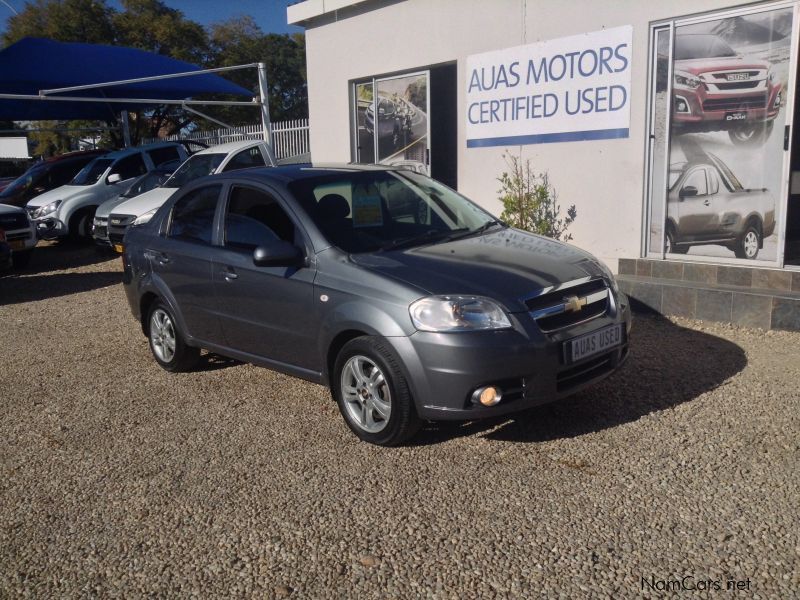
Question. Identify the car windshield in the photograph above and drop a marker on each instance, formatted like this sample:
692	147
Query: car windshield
368	211
145	183
701	46
23	182
91	173
198	165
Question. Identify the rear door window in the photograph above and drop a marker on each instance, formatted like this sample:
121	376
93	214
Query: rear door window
159	156
245	159
129	167
193	215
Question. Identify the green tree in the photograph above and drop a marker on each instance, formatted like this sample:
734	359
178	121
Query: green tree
241	41
530	202
64	21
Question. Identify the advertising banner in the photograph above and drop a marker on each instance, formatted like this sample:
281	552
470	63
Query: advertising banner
726	167
568	89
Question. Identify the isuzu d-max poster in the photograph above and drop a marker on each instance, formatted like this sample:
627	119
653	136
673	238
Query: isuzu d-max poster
724	179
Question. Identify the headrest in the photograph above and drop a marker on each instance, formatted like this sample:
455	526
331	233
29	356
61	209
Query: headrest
333	206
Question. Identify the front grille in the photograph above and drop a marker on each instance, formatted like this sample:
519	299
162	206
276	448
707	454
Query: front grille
549	310
737	85
115	238
13	237
736	103
100	231
14	221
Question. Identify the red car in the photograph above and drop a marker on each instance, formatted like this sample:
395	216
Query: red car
716	89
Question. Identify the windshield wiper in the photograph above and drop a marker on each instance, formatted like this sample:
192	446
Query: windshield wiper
428	236
485	227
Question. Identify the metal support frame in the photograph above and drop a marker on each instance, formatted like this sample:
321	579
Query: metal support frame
262	100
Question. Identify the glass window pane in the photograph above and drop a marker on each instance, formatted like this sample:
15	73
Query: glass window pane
193	215
255	218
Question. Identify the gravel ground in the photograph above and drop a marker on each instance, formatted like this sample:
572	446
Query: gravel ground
119	479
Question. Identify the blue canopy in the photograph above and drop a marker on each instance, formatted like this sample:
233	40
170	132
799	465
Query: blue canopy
34	64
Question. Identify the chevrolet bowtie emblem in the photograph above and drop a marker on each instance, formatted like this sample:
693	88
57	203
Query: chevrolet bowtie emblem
574	304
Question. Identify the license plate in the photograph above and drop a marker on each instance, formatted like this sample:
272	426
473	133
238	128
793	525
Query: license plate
738	76
594	343
736	116
119	248
17	244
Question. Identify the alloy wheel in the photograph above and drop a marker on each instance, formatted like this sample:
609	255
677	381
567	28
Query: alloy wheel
366	394
162	335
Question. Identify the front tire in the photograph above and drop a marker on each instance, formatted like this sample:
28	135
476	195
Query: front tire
671	246
166	341
751	135
748	244
80	225
373	394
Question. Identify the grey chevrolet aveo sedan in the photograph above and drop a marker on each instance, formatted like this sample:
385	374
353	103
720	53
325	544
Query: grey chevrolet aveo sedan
409	301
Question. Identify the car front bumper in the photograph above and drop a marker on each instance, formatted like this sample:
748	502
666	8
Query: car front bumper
50	228
700	109
529	366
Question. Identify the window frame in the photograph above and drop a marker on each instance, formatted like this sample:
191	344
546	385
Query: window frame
215	223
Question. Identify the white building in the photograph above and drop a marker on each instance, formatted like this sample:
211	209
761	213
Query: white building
699	186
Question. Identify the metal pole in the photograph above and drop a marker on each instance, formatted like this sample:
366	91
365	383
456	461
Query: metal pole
264	97
126	130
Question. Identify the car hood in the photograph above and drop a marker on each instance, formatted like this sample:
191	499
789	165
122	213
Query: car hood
65	192
109	205
144	202
7	209
697	66
509	265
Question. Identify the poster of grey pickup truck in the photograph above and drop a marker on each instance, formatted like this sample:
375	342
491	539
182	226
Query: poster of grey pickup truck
708	205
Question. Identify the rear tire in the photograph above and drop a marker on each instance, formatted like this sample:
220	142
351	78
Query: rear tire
748	244
166	341
373	394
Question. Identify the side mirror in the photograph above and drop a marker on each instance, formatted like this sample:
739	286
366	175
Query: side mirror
278	254
688	191
114	178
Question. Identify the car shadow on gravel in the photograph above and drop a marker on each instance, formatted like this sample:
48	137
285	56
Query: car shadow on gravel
58	256
668	365
19	289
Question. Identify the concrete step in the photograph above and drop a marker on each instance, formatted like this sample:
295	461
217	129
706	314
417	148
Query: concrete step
747	305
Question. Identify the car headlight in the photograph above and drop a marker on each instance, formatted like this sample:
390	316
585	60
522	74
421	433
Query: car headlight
457	313
687	80
46	209
771	76
142	219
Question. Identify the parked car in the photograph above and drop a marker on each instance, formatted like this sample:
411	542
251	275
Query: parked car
69	210
19	233
217	159
46	175
708	205
142	184
394	120
5	254
717	89
303	270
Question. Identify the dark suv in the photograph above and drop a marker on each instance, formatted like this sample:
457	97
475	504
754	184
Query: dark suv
443	314
46	175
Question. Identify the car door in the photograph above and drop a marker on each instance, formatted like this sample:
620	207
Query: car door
181	258
694	205
264	311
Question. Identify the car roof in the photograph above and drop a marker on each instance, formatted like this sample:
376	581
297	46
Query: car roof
229	147
127	151
295	172
73	155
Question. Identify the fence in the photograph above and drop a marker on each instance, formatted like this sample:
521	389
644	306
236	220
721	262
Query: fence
290	137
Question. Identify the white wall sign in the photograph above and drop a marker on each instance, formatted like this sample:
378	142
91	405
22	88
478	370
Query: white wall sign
14	147
569	89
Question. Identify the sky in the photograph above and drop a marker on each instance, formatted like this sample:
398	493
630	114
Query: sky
269	14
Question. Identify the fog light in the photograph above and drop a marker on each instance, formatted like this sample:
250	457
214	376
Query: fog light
681	106
488	396
777	102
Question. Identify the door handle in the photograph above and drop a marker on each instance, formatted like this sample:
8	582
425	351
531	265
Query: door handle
707	203
159	257
229	274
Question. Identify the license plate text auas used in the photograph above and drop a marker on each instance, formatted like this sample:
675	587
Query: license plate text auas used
595	342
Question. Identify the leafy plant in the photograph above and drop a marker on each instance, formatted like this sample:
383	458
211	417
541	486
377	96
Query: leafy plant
530	202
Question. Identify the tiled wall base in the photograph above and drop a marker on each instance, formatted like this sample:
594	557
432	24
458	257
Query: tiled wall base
765	298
